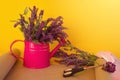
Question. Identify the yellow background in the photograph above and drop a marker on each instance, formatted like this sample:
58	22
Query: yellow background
93	25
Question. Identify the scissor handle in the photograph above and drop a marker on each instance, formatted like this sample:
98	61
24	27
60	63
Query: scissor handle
72	71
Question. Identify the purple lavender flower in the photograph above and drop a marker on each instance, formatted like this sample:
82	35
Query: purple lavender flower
41	13
16	24
39	30
49	20
36	29
109	67
33	13
60	53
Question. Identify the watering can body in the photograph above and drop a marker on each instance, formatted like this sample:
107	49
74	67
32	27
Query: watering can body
36	55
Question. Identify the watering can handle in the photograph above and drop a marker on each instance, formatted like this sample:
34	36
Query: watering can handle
11	51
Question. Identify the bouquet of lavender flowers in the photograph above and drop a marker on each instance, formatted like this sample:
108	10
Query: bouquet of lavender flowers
80	58
37	30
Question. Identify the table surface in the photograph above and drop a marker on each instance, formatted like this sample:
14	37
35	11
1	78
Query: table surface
53	72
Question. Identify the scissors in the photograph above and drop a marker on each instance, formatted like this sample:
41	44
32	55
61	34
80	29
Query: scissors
71	71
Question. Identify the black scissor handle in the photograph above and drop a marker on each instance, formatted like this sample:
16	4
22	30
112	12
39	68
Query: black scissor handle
71	71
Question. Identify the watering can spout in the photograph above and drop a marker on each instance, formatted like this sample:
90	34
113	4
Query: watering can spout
56	48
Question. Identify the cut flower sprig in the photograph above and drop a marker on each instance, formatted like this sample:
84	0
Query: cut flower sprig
70	55
37	30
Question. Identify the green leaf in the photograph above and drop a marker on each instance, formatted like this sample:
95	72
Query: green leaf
21	29
13	20
36	41
25	11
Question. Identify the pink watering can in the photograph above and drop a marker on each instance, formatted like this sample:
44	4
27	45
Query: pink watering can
36	55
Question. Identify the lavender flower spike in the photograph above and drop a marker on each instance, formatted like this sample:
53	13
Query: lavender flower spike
109	67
